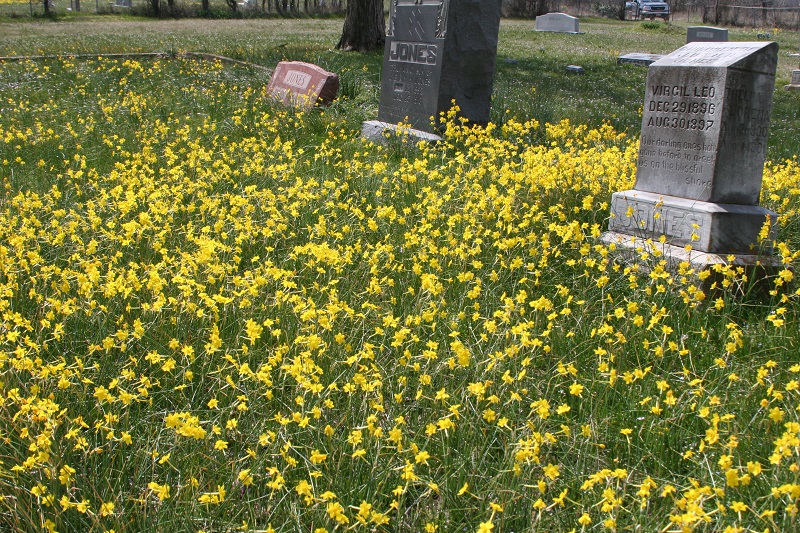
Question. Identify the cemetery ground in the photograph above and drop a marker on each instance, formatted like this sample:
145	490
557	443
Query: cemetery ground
223	315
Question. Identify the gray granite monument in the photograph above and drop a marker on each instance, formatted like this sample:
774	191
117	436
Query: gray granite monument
437	52
706	34
557	22
701	155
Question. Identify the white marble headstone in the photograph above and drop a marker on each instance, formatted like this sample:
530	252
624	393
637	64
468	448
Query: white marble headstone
557	22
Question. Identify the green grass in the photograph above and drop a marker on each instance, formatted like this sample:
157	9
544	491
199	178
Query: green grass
200	289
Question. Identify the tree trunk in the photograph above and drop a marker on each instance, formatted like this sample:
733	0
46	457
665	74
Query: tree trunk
46	8
364	26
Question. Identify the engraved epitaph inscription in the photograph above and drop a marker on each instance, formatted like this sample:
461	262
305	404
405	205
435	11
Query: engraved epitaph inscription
681	123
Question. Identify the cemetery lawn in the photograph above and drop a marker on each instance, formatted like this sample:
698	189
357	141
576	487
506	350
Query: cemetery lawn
223	315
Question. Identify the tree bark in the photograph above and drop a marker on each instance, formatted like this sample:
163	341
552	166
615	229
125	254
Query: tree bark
364	26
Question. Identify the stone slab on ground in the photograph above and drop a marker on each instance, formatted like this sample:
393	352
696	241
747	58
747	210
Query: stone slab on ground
302	84
640	59
381	132
707	227
679	254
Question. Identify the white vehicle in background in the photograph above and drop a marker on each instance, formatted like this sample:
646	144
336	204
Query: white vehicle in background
646	9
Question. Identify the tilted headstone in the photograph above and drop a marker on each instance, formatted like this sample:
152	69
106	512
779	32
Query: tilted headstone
437	52
706	34
557	22
644	60
702	149
302	84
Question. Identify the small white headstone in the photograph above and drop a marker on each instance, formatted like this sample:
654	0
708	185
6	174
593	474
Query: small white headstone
557	22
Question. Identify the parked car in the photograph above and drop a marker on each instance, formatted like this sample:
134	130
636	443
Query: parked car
647	9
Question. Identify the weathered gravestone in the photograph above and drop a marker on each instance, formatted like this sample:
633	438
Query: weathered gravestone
702	150
643	60
437	52
302	84
794	85
706	34
557	22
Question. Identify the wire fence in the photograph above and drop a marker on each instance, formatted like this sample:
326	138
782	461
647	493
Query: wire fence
755	16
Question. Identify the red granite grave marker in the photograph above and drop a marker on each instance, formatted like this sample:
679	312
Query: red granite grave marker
303	84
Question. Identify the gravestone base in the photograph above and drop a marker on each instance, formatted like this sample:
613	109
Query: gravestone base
761	271
795	85
708	227
381	132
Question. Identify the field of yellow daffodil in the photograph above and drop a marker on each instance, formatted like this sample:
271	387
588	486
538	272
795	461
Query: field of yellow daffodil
222	315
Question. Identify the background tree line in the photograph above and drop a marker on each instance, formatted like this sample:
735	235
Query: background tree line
364	20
